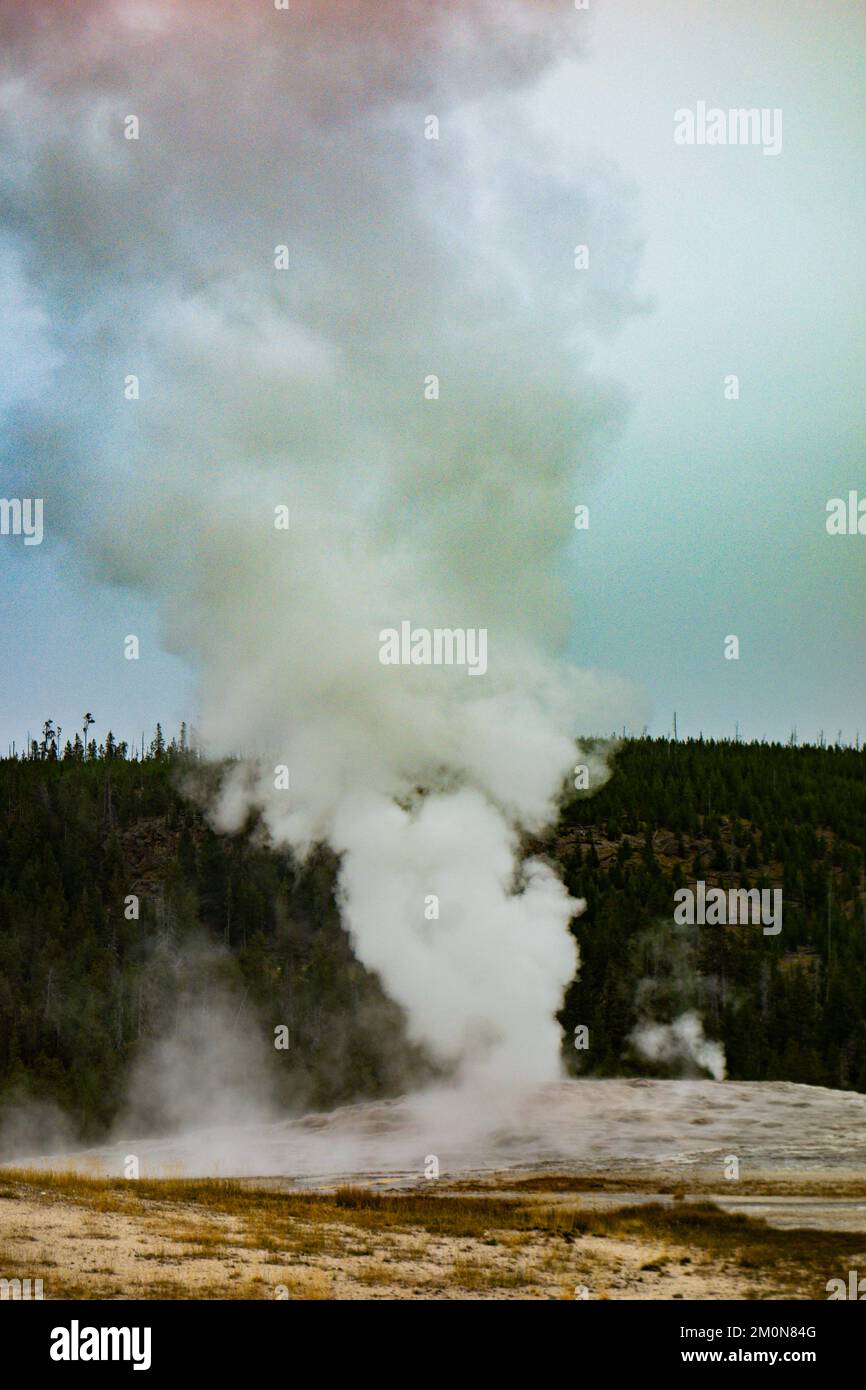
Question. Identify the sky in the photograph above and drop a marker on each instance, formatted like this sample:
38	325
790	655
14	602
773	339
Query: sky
706	514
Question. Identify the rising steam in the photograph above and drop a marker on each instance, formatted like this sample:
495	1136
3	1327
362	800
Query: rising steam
682	1045
260	388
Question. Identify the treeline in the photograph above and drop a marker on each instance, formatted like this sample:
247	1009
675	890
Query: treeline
108	871
82	748
788	1007
110	877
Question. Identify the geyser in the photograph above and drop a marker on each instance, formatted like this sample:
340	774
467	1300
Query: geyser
283	255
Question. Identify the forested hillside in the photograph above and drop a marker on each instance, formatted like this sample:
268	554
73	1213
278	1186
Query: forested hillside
84	985
788	1007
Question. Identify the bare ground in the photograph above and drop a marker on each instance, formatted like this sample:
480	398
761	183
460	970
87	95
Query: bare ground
539	1236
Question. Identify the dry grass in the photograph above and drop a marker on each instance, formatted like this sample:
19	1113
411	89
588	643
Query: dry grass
178	1238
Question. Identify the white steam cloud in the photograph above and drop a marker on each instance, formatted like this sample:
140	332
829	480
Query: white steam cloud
681	1044
304	388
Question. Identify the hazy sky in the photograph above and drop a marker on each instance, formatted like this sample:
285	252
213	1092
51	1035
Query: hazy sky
707	515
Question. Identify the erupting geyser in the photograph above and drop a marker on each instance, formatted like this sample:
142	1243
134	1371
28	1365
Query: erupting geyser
359	344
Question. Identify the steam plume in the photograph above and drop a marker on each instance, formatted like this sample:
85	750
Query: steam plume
259	388
681	1044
